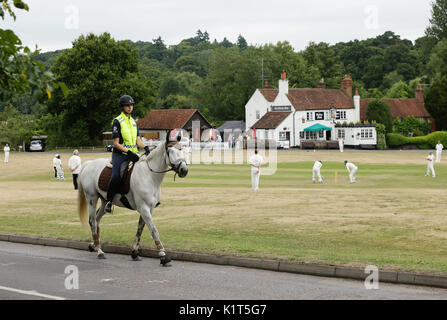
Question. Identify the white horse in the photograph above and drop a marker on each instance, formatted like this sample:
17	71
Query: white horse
143	196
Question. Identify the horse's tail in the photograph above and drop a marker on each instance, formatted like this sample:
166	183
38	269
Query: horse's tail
82	205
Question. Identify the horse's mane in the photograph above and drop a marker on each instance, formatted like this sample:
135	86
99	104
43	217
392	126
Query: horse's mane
155	153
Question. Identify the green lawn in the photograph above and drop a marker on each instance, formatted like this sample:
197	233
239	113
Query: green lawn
393	217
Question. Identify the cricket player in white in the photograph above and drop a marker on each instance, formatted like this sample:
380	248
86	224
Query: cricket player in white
352	169
430	167
341	144
316	171
6	150
58	164
439	148
255	161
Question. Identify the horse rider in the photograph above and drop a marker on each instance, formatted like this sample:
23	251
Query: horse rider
126	140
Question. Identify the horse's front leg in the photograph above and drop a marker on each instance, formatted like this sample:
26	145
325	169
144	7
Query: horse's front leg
145	213
136	244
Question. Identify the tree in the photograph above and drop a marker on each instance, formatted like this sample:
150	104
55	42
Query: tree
438	20
17	128
324	58
400	90
232	79
242	43
379	111
19	71
437	65
436	102
97	70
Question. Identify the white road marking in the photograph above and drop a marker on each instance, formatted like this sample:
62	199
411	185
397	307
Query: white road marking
32	293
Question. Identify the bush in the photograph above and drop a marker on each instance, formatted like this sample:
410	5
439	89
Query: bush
395	140
411	125
381	137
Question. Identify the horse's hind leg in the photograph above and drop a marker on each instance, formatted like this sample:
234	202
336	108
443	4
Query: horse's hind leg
136	244
94	226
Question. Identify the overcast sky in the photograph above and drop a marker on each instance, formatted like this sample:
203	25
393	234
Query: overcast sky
53	25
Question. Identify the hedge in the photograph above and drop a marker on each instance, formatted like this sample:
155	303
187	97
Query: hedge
395	140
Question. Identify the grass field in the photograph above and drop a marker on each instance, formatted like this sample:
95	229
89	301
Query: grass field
393	217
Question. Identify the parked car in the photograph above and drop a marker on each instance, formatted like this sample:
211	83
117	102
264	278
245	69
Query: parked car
36	145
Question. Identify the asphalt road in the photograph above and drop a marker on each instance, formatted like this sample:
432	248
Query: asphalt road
39	273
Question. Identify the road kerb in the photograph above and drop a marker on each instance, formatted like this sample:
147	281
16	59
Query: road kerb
386	276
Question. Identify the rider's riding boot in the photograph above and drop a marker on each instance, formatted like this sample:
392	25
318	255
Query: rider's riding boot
110	194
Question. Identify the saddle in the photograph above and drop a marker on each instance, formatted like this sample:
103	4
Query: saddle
125	174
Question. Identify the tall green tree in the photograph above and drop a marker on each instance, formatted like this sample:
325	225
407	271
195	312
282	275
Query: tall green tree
97	70
436	102
19	71
379	111
324	58
438	20
232	79
437	65
400	90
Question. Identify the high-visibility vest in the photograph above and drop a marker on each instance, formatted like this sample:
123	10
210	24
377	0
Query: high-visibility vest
128	132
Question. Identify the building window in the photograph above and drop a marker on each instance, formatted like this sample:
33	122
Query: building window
282	136
302	135
311	135
341	133
366	133
341	115
309	116
321	134
258	114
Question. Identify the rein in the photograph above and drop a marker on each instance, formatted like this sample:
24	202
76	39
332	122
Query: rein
164	171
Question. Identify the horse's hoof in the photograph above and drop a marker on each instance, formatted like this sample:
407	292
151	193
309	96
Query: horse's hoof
164	261
135	256
101	256
91	248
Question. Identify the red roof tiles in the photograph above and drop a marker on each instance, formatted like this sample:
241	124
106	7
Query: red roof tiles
269	94
271	120
166	119
319	99
400	108
313	98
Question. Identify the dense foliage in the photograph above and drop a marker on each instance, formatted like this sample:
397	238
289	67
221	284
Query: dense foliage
395	140
380	112
219	77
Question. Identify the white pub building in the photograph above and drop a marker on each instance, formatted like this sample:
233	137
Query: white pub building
293	117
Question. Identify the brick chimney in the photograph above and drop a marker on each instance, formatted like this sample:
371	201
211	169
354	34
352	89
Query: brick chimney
346	85
321	84
419	92
283	84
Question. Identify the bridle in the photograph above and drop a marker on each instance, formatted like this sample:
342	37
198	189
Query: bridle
174	166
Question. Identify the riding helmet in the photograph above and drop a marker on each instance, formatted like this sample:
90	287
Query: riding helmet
125	100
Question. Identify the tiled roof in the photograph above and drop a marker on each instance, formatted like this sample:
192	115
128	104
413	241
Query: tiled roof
319	99
400	108
165	119
269	94
271	120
